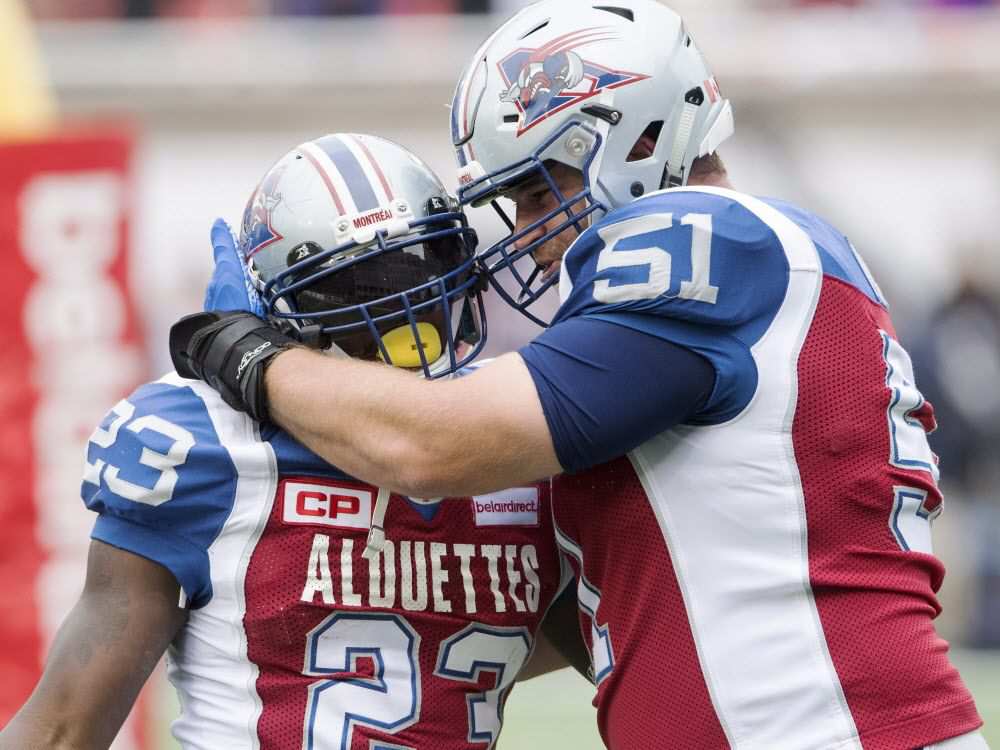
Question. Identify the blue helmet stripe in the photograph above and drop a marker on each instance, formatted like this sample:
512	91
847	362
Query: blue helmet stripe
351	171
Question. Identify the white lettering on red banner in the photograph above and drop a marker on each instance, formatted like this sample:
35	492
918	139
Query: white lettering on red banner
338	506
514	507
78	341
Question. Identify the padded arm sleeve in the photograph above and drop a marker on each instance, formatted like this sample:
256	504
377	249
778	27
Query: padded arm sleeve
605	388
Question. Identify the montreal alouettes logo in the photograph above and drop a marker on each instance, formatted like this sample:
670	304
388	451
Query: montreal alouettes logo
543	81
257	230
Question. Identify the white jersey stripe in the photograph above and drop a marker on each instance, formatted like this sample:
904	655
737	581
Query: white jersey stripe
209	664
766	663
588	597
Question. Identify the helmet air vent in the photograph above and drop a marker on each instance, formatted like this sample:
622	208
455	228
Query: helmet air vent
625	13
539	27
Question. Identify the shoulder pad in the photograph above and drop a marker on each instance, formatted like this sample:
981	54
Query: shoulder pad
687	254
837	254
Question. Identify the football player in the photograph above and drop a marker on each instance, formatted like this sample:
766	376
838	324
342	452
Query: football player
749	487
246	556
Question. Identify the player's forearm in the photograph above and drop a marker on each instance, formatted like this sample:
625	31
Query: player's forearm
76	706
38	726
381	425
102	655
394	429
333	407
33	731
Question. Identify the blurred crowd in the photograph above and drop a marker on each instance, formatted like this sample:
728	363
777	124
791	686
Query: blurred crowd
956	359
83	9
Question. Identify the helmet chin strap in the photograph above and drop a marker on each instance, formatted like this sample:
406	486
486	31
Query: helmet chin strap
336	352
674	173
598	190
720	129
376	534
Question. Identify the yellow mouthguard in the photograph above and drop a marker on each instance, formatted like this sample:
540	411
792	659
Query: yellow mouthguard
401	345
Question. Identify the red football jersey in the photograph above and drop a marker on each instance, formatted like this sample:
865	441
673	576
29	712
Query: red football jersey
416	648
763	579
296	639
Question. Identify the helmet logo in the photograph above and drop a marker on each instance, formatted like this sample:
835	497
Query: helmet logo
257	227
541	82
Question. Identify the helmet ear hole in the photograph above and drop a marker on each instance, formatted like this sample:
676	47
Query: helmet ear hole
625	13
645	145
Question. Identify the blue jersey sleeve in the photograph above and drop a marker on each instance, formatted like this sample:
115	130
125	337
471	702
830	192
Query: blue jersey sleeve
598	401
161	482
694	268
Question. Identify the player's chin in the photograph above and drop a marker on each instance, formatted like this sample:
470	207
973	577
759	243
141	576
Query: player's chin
551	269
550	255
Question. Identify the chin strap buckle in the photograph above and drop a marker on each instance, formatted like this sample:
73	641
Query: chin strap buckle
376	534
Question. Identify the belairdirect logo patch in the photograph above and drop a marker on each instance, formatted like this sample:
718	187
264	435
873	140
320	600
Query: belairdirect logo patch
513	507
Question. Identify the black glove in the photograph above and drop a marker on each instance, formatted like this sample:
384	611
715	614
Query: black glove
229	351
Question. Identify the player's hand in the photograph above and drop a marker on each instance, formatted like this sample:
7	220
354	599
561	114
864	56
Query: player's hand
229	351
231	287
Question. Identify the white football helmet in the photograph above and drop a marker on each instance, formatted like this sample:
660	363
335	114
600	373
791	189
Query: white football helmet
579	83
352	240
